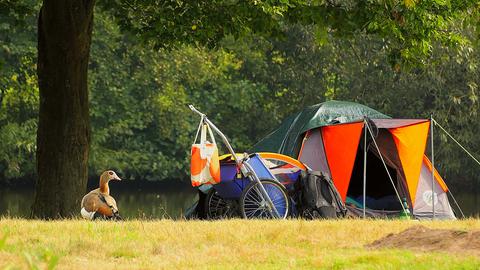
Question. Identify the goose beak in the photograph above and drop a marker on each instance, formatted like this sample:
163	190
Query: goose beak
117	178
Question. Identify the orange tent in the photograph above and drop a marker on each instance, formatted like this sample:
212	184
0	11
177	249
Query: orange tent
330	140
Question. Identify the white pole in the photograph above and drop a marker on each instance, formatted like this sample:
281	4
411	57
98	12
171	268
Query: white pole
364	166
433	167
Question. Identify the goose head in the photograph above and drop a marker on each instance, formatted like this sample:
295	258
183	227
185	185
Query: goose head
111	175
105	177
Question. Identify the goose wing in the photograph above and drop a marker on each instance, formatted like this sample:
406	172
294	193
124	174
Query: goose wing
95	202
110	201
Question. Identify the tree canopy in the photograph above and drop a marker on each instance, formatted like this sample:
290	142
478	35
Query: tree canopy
410	28
246	84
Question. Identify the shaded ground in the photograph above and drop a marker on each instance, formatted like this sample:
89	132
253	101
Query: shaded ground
426	239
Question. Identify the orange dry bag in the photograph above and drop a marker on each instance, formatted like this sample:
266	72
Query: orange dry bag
204	166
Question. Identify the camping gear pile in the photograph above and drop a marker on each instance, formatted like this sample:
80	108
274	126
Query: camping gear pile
330	160
258	185
257	195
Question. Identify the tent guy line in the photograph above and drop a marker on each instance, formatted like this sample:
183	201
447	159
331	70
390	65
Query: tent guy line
465	150
451	137
456	203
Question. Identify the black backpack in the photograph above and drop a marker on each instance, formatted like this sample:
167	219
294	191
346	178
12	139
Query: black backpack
317	197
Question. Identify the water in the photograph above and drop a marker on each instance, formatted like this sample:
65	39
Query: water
470	204
170	202
132	203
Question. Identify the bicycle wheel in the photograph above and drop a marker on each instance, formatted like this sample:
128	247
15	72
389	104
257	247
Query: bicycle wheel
217	207
253	205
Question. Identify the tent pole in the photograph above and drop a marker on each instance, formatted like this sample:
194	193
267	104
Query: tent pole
433	167
385	165
364	166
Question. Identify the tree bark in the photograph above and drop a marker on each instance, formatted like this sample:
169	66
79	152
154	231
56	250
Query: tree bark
63	136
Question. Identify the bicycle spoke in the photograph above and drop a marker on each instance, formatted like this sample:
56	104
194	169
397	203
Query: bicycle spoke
264	204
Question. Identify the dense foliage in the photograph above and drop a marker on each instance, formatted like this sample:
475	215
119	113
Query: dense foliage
18	89
142	127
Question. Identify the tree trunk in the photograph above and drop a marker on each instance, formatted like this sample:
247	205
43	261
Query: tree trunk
63	136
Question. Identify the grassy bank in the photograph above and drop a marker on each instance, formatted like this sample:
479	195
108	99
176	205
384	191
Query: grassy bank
240	244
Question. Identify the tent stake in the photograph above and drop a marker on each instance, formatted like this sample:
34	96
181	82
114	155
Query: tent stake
364	166
385	165
433	167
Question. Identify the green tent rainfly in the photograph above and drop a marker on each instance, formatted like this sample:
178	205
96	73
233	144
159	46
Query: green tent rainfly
285	139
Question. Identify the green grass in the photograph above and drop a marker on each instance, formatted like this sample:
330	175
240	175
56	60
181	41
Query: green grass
233	244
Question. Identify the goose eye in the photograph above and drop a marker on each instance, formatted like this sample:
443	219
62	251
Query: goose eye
111	173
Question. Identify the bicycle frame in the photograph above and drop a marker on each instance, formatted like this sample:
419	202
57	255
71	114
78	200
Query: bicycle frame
245	168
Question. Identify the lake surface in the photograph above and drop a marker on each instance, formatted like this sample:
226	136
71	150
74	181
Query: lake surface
151	202
162	202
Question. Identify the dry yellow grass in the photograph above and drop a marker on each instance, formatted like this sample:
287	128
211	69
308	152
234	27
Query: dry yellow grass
237	244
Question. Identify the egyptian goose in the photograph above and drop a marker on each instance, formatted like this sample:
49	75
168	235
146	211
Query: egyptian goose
98	203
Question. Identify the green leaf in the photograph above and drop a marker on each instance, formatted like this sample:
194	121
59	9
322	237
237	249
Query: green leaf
410	3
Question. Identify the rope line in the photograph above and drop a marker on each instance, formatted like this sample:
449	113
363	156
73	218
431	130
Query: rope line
466	151
451	137
458	206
